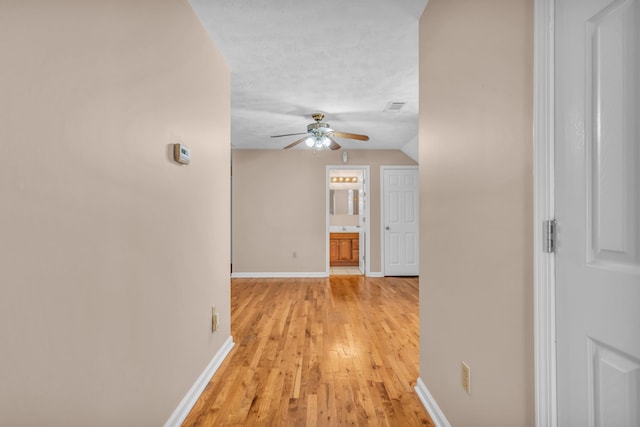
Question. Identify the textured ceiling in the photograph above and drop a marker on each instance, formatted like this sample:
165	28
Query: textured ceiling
291	58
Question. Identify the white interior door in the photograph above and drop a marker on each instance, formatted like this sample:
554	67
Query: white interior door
597	168
400	221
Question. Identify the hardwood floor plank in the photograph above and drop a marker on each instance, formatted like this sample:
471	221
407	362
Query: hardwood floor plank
325	352
312	410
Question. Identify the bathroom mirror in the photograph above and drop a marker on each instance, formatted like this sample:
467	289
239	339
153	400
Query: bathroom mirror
343	202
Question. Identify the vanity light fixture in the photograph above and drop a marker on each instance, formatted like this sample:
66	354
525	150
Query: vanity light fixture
344	179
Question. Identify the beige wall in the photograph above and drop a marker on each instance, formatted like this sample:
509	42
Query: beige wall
110	254
476	266
279	207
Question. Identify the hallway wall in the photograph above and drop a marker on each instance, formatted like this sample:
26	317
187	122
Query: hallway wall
476	194
279	207
111	255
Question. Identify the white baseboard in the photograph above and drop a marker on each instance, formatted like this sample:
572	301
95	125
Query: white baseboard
278	275
437	416
181	412
271	275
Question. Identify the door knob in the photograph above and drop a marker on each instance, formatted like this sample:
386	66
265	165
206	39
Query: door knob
387	228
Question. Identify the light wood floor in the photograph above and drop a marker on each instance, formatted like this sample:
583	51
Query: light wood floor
327	352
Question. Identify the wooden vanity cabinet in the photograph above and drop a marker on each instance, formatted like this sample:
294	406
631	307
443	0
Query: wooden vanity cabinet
344	249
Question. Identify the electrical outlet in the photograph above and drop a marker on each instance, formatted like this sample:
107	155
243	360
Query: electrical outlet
466	378
215	319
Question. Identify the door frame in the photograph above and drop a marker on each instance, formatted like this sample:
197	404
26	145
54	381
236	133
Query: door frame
546	406
383	252
366	169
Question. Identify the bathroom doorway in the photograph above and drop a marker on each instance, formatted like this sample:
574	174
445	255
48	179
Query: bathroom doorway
347	216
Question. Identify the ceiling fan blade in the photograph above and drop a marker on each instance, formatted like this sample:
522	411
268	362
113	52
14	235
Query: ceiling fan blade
294	143
351	136
288	134
334	145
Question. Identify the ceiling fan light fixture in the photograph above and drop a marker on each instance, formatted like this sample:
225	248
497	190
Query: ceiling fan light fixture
319	142
319	128
320	136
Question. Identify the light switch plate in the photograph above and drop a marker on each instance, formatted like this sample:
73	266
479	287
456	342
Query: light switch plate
466	377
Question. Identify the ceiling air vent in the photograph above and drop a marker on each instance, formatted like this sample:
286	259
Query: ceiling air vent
394	106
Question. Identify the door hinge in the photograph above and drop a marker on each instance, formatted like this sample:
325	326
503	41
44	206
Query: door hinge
550	237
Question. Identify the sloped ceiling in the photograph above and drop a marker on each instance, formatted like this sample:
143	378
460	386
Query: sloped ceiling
292	58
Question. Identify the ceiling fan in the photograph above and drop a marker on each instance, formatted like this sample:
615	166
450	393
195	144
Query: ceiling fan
320	135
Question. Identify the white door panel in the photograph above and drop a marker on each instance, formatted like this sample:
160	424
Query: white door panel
597	208
400	220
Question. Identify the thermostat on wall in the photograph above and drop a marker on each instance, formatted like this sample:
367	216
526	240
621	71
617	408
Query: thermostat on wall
181	154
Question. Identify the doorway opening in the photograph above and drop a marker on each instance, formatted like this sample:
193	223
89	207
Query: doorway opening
347	212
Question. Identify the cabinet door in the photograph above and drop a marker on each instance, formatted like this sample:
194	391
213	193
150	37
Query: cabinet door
345	250
333	250
355	249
